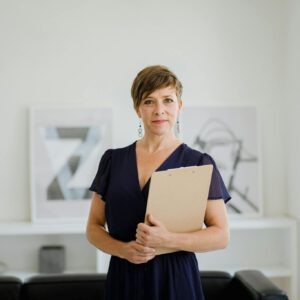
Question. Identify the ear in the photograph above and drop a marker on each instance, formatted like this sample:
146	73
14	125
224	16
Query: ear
180	104
137	112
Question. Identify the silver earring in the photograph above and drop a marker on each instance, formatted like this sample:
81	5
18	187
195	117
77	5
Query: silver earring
140	130
177	127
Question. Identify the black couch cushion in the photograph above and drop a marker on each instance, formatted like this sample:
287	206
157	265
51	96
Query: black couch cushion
10	287
215	284
244	285
61	287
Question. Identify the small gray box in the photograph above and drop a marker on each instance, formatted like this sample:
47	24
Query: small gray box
52	259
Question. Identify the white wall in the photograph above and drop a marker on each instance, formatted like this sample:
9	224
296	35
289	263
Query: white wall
70	52
292	112
292	108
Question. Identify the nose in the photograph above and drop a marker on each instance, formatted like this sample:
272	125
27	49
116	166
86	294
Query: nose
159	108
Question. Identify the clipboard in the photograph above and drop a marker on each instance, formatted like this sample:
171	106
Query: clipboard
178	198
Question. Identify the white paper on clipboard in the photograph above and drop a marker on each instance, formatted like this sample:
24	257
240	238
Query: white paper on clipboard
178	198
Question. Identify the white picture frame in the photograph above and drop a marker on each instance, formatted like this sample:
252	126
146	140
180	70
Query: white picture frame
66	144
231	136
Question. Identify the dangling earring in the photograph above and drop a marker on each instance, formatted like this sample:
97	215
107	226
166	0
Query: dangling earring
140	130
177	127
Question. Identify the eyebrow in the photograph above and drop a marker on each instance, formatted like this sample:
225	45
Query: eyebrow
166	96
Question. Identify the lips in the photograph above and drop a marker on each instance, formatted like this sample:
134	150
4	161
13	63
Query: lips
159	121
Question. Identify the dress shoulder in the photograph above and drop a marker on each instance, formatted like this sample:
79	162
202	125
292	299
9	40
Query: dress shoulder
217	188
100	182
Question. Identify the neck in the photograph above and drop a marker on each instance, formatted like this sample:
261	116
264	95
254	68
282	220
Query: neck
156	143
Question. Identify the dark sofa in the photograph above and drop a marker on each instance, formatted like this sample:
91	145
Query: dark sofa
217	285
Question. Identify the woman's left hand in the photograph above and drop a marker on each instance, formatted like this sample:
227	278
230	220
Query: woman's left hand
154	235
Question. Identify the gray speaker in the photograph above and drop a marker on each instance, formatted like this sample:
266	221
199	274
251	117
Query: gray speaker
52	259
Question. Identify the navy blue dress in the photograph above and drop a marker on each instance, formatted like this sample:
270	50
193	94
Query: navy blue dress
168	276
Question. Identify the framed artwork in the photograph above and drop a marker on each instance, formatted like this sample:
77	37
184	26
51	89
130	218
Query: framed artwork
230	136
65	149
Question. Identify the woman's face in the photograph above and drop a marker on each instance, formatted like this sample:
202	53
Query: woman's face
159	111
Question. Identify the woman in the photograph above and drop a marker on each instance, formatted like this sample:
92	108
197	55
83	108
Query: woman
121	189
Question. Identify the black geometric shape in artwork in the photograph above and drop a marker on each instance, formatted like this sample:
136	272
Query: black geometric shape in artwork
234	208
216	132
73	163
53	191
87	195
72	132
58	189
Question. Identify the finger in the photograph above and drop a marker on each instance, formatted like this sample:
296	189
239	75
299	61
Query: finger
151	257
142	250
146	250
144	242
140	261
140	242
140	237
153	221
139	232
142	258
143	235
142	227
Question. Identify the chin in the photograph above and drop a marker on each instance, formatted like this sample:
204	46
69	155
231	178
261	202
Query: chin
160	132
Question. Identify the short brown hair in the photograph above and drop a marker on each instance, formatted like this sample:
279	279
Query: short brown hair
152	78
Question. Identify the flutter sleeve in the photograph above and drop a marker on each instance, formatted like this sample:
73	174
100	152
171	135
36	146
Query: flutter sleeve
217	188
100	182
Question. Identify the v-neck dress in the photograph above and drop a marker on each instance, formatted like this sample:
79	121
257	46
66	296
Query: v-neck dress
173	276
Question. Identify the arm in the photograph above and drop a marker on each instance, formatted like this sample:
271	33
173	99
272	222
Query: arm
214	236
101	239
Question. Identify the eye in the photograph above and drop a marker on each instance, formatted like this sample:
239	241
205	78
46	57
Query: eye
148	101
169	100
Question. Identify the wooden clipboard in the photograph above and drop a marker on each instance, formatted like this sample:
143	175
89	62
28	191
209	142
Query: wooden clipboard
178	198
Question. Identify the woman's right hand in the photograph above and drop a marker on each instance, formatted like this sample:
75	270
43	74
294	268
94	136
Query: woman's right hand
137	253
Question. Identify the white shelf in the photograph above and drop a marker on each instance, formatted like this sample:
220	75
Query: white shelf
261	223
28	228
23	228
269	271
23	275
